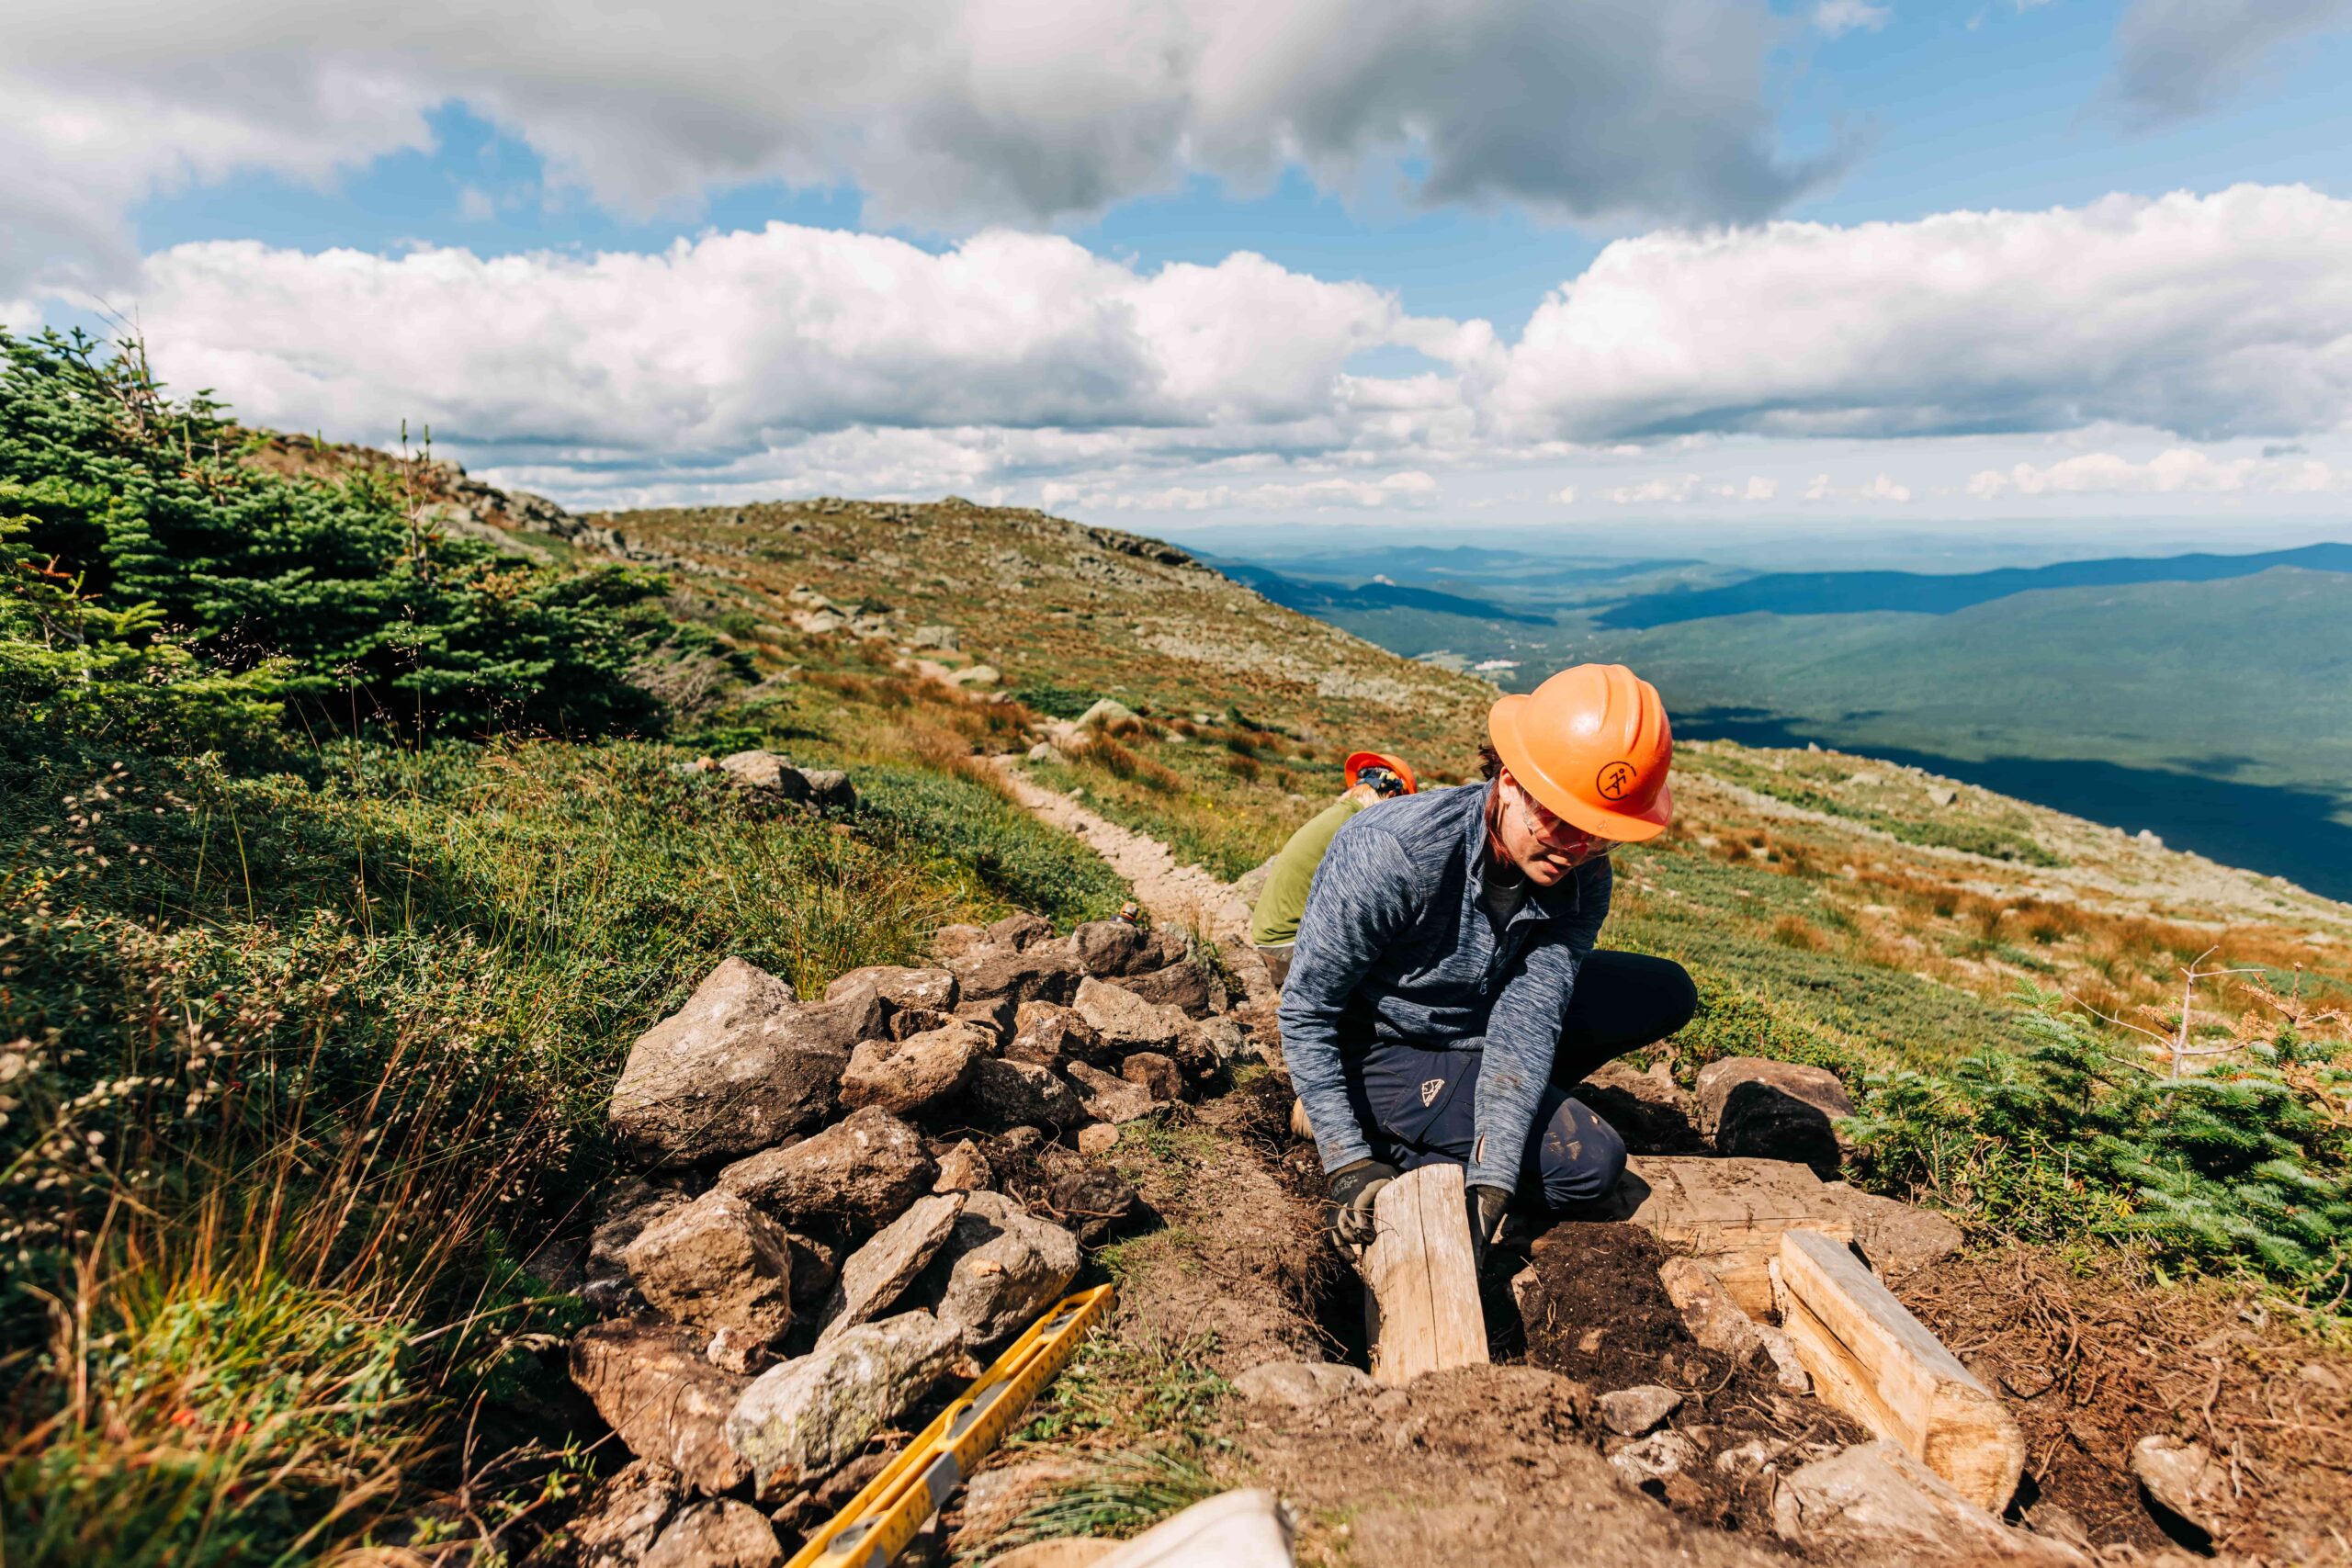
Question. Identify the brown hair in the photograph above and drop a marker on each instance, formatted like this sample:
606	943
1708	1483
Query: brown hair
1491	761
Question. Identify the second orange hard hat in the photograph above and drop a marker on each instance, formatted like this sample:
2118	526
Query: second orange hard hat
1591	744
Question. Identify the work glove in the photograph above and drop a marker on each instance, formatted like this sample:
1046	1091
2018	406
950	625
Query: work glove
1354	1188
1486	1206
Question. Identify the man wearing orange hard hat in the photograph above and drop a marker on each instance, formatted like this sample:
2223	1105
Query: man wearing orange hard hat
1446	992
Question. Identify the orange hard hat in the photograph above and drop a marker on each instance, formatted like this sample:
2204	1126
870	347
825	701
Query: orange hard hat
1358	761
1592	745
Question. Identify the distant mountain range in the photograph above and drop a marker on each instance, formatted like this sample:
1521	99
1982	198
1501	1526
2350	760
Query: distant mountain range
2206	697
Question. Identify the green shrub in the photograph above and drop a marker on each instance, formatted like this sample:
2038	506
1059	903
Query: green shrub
2244	1167
358	613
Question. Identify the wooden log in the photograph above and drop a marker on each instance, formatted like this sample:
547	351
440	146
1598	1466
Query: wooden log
1421	1300
1873	1359
1730	1214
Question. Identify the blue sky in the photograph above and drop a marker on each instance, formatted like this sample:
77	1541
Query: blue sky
1465	194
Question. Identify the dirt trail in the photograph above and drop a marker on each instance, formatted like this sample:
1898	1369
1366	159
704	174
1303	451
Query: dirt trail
1173	892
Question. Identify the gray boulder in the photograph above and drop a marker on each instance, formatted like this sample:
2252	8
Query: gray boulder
1015	1094
963	1169
717	1263
1010	1267
830	789
915	1075
766	772
878	1272
862	1172
722	1534
899	985
1047	1036
799	1421
1875	1504
739	1067
1756	1108
662	1397
1020	929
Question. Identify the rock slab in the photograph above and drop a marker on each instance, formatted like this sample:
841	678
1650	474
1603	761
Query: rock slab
1874	1503
879	1271
1636	1411
1010	1267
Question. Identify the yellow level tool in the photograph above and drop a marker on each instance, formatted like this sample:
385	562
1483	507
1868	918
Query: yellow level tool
879	1521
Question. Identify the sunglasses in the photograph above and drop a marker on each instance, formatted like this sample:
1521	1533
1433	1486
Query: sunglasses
1560	837
1382	783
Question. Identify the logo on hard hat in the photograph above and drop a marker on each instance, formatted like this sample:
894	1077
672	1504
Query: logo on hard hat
1616	780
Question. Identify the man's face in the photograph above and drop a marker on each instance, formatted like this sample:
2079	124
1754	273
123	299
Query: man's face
1545	848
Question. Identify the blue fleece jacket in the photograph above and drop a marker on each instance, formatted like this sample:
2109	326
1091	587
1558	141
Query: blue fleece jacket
1395	945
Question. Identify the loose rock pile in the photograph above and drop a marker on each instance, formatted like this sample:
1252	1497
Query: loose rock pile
843	1200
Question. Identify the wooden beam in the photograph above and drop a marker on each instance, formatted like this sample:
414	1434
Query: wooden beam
1728	1214
1873	1359
1422	1300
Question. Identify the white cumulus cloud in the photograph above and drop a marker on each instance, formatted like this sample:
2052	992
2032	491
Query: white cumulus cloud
1837	17
948	114
2207	315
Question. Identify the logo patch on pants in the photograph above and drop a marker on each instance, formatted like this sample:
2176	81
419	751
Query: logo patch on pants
1431	1089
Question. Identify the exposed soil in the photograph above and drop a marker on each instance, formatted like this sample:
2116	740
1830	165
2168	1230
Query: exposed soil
1600	1315
2091	1364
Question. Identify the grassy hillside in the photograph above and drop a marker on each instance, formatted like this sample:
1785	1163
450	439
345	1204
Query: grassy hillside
333	898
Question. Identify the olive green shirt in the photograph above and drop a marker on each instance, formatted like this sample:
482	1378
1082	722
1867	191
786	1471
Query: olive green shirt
1275	921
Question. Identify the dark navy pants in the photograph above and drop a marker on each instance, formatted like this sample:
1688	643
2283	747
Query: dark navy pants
1424	1102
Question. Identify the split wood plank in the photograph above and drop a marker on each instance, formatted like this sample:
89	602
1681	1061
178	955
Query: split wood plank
1873	1359
1422	1300
1730	1214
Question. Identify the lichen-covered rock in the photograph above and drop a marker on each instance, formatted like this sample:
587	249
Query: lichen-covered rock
1110	1098
916	1076
1010	1267
899	987
741	1065
1047	1036
1012	1094
861	1173
879	1271
1757	1108
716	1263
722	1534
797	1421
663	1398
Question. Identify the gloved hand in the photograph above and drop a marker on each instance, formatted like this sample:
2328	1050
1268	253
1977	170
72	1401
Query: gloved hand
1486	1206
1354	1187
